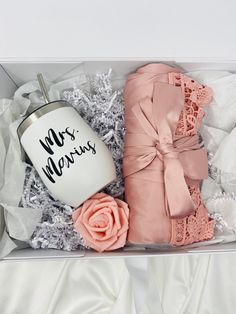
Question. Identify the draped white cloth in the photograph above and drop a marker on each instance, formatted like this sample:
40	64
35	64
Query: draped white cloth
199	284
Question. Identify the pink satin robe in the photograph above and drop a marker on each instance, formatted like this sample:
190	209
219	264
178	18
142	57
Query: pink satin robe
163	160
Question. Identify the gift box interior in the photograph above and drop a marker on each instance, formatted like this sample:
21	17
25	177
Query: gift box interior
12	75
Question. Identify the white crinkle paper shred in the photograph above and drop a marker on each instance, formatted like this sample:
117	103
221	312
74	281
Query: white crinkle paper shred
103	109
56	230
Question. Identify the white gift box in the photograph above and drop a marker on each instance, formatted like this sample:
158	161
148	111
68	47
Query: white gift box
14	74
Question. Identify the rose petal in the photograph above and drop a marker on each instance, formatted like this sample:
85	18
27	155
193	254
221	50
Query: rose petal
99	229
81	229
105	204
104	245
76	213
115	211
81	224
123	221
104	212
98	195
99	212
99	217
110	231
102	197
123	205
103	222
121	240
89	212
94	234
99	236
86	205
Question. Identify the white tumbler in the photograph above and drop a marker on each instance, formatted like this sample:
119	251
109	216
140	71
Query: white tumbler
71	160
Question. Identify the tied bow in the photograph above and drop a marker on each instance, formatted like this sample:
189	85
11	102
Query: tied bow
181	156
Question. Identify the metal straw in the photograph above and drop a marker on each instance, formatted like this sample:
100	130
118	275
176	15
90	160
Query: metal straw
43	87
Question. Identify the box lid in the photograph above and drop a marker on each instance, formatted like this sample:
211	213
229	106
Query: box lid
73	30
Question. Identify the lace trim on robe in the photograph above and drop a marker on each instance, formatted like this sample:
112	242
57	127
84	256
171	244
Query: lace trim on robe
196	227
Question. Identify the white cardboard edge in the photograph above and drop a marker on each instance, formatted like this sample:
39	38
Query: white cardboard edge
46	255
75	59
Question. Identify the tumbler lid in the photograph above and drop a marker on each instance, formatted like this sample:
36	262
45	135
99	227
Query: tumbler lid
39	112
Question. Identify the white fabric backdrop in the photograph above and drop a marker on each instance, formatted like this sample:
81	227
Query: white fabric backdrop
204	284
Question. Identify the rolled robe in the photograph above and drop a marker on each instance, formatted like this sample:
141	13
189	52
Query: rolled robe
163	160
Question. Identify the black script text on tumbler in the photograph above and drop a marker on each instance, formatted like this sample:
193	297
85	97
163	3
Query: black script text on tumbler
56	167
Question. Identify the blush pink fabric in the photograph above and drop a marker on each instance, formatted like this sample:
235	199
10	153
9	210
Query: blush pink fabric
103	222
163	161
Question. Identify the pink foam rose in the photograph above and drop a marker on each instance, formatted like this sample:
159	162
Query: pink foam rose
103	222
